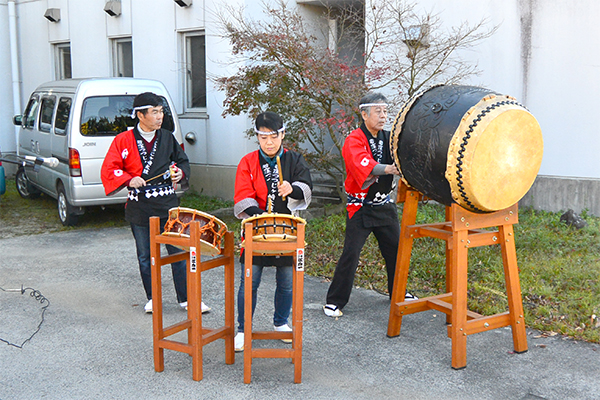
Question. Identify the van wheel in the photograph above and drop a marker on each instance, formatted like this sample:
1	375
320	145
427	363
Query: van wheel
65	210
24	187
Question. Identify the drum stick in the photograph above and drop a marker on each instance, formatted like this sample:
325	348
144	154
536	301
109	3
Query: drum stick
280	174
172	167
157	176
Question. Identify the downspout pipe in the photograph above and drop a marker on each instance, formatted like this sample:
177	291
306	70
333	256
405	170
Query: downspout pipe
14	63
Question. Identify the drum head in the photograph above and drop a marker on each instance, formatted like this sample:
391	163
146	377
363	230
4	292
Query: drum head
496	165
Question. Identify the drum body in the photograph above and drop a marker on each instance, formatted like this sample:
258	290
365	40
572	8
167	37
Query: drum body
467	145
273	228
212	229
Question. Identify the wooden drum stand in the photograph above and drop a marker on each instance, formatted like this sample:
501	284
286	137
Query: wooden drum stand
198	335
293	248
462	230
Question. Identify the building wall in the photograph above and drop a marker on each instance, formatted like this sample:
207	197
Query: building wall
544	54
7	131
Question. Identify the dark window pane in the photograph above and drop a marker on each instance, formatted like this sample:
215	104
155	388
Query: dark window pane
197	71
62	116
111	115
124	58
30	112
46	113
65	58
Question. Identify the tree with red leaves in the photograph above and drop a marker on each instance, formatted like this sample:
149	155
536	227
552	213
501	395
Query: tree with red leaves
313	71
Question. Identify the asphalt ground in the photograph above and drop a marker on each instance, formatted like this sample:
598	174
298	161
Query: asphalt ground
95	341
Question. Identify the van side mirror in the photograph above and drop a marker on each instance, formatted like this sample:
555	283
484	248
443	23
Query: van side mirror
17	120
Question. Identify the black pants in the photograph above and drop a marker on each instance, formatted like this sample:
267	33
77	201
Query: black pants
357	230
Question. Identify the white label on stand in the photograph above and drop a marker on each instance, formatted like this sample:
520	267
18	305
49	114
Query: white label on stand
300	259
192	259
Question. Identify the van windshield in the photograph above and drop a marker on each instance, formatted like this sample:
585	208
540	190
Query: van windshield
111	115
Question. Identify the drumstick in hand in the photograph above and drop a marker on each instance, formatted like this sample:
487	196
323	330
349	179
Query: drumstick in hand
280	174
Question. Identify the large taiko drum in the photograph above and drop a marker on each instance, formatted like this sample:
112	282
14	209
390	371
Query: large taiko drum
467	145
273	227
212	229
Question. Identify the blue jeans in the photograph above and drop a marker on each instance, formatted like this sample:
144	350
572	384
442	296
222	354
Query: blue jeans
283	294
141	234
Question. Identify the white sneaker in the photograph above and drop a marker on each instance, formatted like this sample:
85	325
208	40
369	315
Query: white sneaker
283	328
238	342
331	310
410	297
148	306
205	308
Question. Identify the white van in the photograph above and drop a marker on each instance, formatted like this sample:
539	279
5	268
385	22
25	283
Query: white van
75	121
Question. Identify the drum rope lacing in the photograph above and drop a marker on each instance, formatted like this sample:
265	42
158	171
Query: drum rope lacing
273	225
209	226
464	143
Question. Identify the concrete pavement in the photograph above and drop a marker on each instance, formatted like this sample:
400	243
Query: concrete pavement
96	341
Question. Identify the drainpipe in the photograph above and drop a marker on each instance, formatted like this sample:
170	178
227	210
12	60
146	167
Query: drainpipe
14	62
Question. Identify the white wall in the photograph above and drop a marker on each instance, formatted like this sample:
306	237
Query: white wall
555	72
553	67
7	131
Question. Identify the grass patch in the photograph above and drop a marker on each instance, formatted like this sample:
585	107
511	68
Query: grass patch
20	216
559	268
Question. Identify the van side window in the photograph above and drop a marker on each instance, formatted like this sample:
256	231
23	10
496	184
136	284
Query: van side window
46	113
111	115
62	116
31	112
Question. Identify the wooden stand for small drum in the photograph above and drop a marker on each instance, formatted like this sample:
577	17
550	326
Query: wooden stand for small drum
462	230
293	248
198	335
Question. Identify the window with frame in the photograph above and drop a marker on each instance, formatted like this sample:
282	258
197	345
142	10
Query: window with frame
46	113
195	70
122	50
31	112
62	116
62	53
110	115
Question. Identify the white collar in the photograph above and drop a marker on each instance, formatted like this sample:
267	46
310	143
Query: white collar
148	136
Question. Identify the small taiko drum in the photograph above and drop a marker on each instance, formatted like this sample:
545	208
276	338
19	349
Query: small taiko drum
274	228
212	229
467	145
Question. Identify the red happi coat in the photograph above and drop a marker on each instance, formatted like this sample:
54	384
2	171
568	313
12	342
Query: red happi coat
359	164
251	190
251	186
250	181
123	162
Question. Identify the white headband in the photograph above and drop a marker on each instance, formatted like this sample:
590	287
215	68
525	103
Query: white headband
269	133
372	105
140	108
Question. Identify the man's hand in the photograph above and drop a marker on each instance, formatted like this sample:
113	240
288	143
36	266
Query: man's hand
285	188
176	174
137	182
391	170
